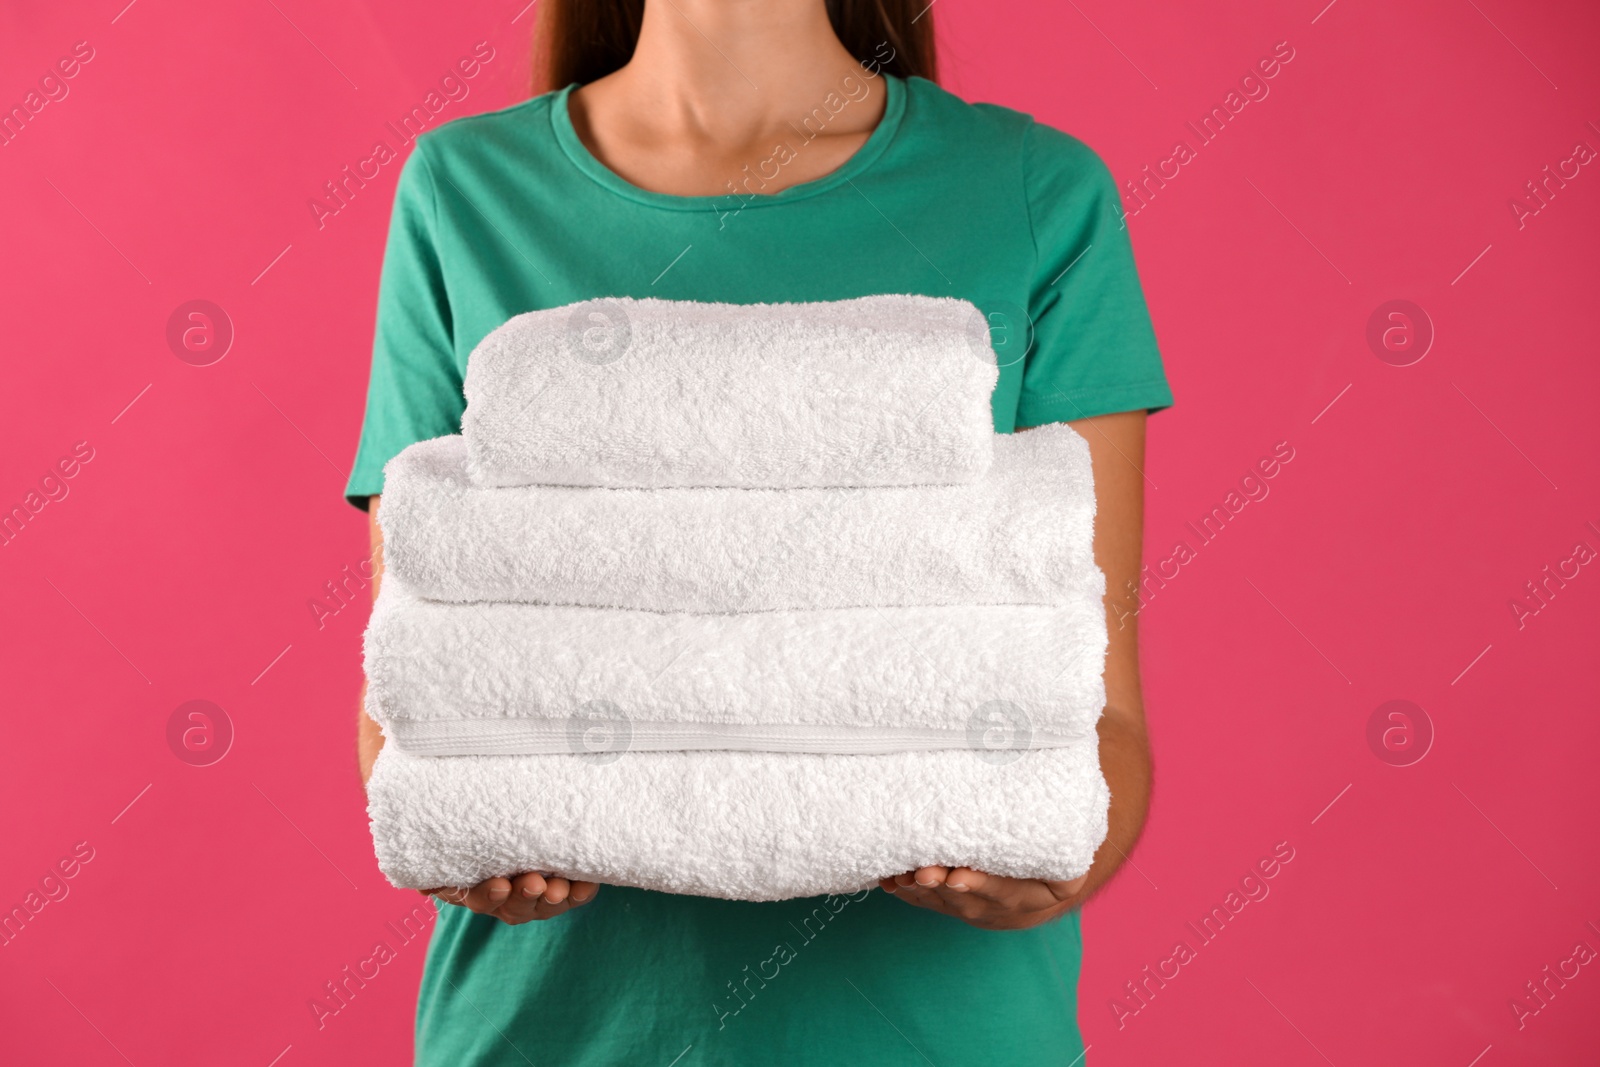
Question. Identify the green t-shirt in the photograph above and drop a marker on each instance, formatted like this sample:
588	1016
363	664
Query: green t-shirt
507	212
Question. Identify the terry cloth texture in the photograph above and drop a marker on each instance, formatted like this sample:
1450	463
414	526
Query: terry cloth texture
486	677
744	826
875	391
1023	533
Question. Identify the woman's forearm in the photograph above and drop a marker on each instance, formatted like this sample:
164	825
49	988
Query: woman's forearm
1116	446
369	737
1125	761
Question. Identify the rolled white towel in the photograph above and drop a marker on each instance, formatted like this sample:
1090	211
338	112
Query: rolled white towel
880	390
743	826
1021	534
455	679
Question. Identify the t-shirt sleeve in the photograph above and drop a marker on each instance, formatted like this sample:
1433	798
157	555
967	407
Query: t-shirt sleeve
415	389
1094	351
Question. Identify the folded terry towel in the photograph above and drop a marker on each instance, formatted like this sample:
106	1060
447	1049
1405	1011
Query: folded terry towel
1021	534
881	390
744	826
456	679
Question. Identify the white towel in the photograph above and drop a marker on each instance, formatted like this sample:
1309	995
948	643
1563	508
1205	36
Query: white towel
453	679
744	826
1021	534
881	390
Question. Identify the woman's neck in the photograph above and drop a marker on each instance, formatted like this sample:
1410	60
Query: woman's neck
714	84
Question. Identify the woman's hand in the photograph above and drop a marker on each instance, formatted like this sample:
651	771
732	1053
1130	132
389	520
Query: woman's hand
986	900
525	898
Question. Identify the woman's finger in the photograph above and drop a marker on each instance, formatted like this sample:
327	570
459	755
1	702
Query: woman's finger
522	905
931	877
528	887
487	895
960	880
524	898
984	886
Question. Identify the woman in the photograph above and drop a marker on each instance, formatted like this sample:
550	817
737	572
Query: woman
786	150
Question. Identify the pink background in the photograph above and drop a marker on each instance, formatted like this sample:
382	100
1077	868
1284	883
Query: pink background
1381	566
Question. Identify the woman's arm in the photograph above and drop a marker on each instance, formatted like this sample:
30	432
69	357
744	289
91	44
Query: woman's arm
369	738
513	900
1116	445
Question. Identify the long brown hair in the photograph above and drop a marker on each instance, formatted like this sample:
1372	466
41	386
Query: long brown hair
582	40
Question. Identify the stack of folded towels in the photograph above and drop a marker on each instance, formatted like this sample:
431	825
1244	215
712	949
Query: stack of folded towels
737	601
